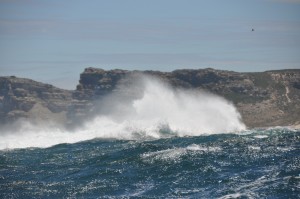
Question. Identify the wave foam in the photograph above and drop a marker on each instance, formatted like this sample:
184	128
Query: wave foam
156	111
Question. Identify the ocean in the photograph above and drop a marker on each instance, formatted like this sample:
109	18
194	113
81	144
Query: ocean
250	164
165	143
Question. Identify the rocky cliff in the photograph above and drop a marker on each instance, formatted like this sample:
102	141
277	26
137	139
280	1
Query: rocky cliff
25	98
268	98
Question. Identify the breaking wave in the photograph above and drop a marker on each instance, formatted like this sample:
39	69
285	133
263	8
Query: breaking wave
145	109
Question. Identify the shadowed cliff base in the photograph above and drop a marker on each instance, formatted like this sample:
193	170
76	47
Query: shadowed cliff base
263	99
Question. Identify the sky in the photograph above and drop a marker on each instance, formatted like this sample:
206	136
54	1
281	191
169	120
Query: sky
54	40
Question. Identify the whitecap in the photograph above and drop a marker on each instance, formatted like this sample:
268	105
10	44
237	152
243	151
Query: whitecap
157	111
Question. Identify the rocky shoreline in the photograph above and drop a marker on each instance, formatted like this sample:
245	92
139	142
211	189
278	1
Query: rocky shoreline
270	98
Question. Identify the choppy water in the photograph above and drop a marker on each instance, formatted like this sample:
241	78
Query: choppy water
251	164
153	141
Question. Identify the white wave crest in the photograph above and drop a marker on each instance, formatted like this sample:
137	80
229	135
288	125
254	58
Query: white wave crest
144	109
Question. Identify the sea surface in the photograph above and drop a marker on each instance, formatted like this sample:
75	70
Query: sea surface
261	163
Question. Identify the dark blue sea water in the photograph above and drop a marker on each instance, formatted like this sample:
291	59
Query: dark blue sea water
253	164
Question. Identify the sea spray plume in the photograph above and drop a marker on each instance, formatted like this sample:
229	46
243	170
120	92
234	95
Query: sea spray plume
149	107
140	107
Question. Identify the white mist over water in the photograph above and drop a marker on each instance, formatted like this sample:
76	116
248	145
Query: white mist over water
145	109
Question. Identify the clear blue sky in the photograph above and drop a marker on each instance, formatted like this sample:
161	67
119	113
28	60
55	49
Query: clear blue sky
54	40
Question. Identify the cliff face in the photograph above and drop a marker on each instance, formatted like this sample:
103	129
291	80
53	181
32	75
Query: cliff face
25	98
264	99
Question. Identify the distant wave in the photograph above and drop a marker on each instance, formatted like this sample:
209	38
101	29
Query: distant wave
145	109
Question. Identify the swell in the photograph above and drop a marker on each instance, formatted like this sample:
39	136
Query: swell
213	166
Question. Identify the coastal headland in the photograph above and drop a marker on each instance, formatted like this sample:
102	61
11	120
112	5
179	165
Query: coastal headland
264	99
